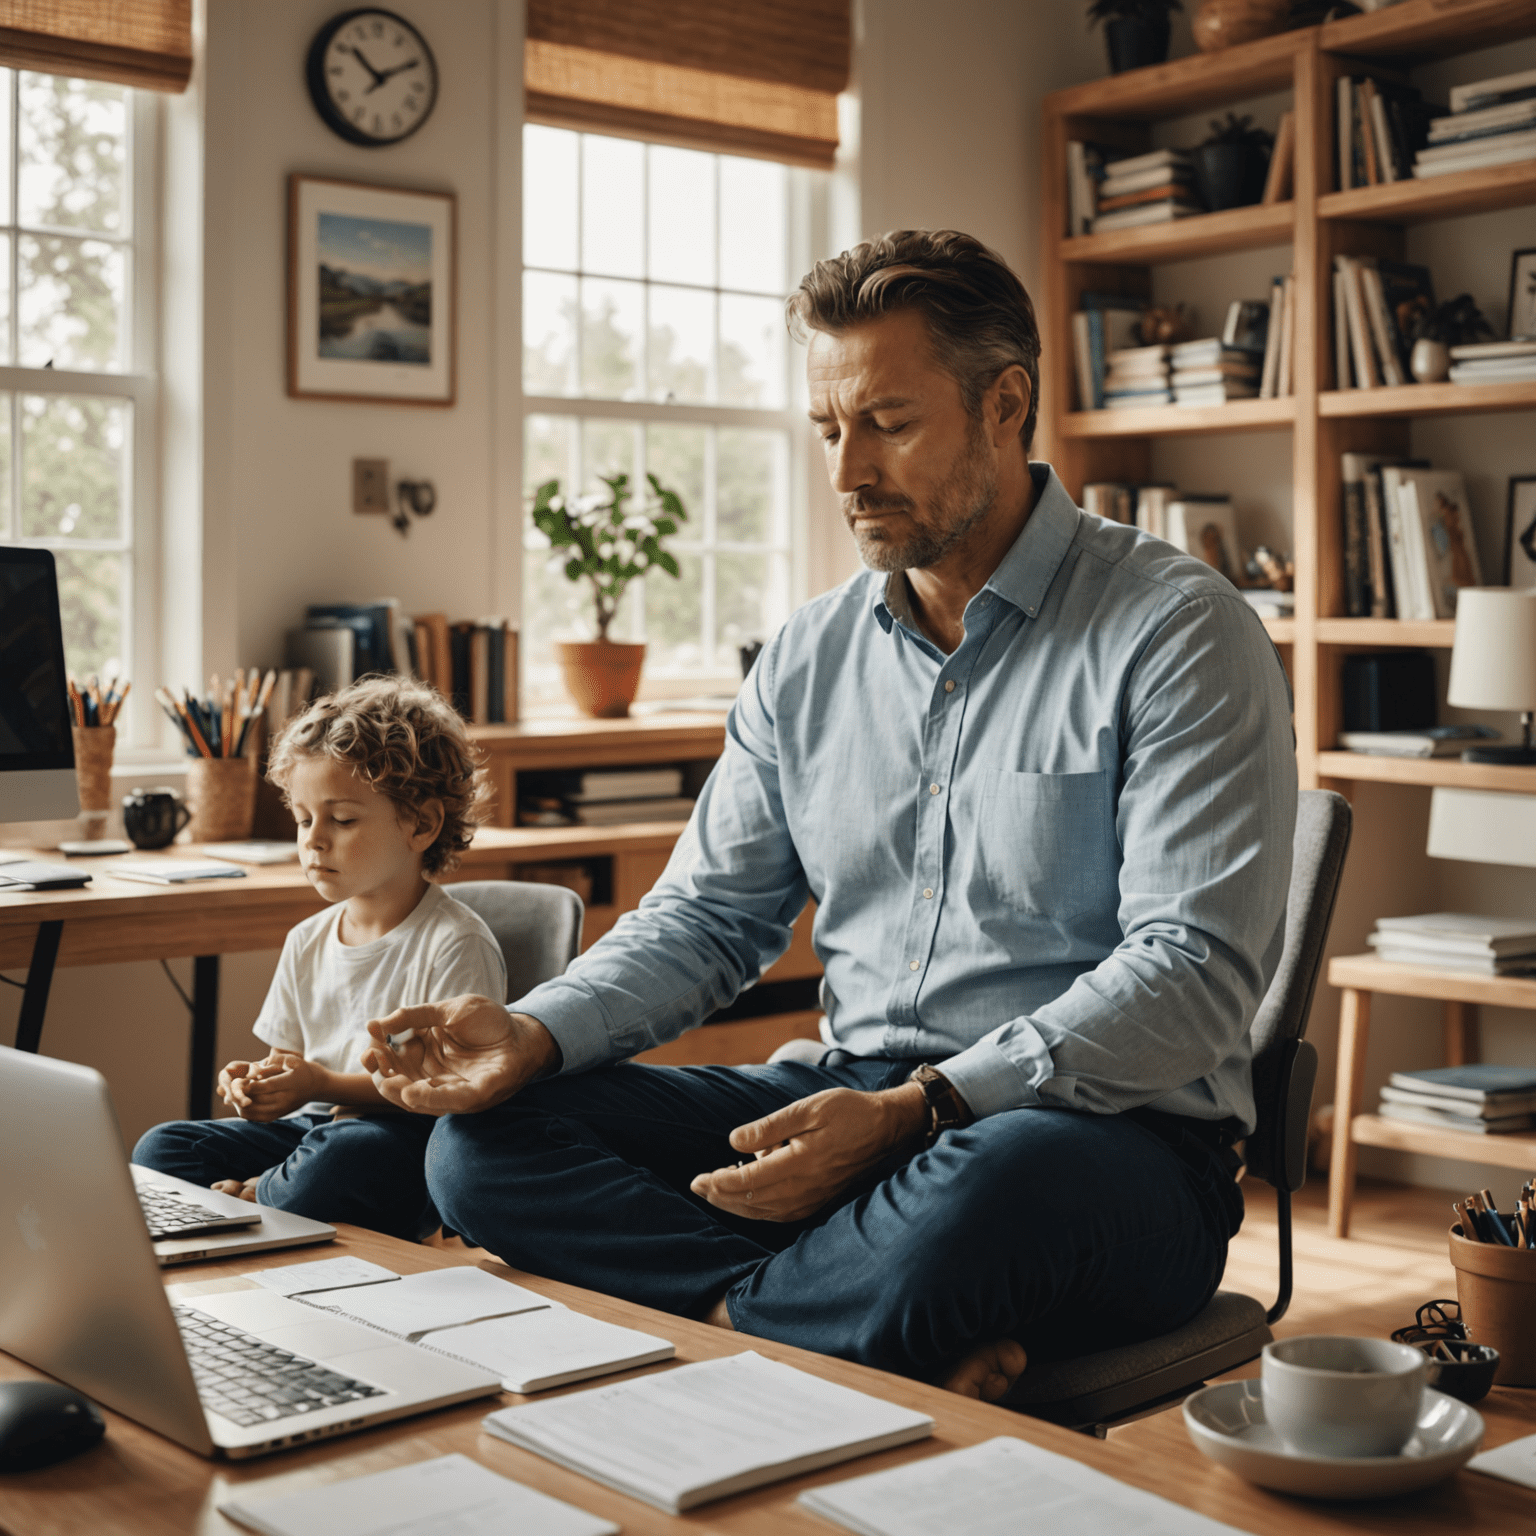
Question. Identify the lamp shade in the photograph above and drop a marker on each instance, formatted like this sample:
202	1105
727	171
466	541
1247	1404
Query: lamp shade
1493	663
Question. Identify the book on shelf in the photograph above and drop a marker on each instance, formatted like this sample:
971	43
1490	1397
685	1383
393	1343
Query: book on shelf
1204	526
1284	386
1493	1106
1105	325
626	784
1441	541
1247	327
1412	954
1380	123
611	813
1110	499
1492	362
1085	168
1269	368
1269	602
484	681
1136	376
1162	212
1358	573
1192	395
1490	935
1415	1114
1432	741
1170	191
1126	166
1498	91
1477	1081
1152	508
1282	162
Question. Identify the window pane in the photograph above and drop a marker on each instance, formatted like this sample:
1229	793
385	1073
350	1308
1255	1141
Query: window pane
612	206
547	451
751	478
91	606
73	466
607	448
674	616
682	216
549	334
5	298
682	342
610	338
71	302
751	352
7	521
744	601
675	455
549	197
7	85
73	153
752	239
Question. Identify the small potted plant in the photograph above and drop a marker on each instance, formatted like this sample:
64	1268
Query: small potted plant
607	545
1135	31
1456	323
1230	166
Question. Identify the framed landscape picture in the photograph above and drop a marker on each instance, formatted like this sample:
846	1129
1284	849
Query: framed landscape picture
371	292
1520	534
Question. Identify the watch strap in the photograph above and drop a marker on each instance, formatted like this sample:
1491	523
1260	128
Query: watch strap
947	1110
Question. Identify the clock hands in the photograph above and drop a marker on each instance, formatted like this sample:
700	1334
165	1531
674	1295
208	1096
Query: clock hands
390	74
378	79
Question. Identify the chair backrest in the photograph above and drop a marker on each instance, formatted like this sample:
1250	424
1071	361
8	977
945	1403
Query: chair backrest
537	926
1284	1064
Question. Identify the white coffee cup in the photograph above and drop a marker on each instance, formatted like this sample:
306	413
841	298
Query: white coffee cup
1334	1396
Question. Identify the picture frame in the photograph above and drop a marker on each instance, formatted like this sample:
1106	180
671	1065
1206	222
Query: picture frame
1522	292
372	293
1520	534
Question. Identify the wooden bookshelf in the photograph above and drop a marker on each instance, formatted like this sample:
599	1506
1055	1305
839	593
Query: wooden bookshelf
1442	772
1371	634
1202	234
1411	400
1168	420
1484	190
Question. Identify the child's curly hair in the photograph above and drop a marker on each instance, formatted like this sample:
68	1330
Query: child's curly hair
406	741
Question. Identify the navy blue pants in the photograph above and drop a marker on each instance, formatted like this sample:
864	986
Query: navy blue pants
369	1171
1069	1232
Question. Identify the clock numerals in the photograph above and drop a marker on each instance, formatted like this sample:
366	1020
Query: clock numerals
372	77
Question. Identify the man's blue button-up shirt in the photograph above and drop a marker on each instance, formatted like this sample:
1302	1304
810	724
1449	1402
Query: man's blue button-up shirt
1054	862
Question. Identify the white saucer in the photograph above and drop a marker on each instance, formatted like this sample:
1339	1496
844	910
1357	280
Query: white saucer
1227	1423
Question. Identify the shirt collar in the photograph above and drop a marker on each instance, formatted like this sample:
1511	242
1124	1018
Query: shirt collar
1025	573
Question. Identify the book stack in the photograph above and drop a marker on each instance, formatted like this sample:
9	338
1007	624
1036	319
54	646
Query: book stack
1375	304
1458	941
1491	122
1432	741
1107	322
1482	1098
1146	189
1208	372
602	798
1110	499
1380	126
1137	376
1494	362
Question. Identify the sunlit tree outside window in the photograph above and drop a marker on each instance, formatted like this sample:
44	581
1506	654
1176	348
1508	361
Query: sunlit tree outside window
653	341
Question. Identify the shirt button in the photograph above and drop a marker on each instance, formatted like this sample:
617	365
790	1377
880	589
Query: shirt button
949	687
933	789
912	966
928	894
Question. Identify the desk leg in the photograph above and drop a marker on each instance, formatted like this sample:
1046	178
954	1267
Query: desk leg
34	1001
205	1037
1354	1036
1461	1042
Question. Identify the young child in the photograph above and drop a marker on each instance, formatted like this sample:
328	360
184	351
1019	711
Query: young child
382	781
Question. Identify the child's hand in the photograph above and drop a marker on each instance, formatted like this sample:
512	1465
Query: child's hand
282	1083
232	1086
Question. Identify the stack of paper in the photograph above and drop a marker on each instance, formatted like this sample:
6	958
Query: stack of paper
1457	941
1483	1098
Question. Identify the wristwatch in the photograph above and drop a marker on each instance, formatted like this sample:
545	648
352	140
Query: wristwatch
947	1111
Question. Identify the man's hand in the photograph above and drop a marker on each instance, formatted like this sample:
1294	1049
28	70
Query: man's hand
468	1054
809	1152
270	1089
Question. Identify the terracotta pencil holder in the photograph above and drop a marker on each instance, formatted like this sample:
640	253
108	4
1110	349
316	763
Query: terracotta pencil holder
93	774
1496	1287
222	794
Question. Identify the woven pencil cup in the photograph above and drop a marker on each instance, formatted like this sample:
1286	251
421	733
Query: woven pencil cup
93	771
222	794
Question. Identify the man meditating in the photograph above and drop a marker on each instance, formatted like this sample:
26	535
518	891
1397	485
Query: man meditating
1036	770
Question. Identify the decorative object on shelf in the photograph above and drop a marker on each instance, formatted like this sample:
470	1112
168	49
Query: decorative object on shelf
1457	322
1223	23
371	300
1165	325
1522	294
1135	31
1267	568
609	547
1232	164
1493	664
1520	534
371	77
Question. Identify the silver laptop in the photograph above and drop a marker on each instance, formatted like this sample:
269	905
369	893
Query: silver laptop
238	1373
187	1223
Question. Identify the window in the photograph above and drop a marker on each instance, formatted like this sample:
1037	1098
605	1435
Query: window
654	341
76	418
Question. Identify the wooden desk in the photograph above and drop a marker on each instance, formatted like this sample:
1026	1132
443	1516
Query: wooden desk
138	1484
1359	977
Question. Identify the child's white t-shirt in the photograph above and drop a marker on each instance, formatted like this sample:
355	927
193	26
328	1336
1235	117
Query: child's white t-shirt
325	992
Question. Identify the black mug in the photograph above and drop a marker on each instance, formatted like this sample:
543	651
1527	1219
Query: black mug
153	817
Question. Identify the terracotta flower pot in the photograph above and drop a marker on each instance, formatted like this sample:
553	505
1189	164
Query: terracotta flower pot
601	676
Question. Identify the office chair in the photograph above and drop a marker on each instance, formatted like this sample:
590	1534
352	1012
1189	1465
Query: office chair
1095	1391
537	926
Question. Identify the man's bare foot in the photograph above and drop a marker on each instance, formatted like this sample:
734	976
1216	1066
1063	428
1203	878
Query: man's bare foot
245	1191
988	1371
719	1316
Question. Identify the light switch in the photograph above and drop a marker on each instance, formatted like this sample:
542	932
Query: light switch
370	485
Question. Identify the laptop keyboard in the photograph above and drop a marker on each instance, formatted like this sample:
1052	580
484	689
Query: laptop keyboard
170	1216
252	1382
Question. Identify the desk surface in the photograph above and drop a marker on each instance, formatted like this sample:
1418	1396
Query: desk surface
137	1484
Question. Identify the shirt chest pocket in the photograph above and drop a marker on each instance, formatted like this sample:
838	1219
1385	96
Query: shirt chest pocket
1046	844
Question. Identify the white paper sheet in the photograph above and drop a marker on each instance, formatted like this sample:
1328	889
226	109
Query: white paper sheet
679	1438
999	1488
451	1496
439	1298
321	1275
1515	1462
548	1348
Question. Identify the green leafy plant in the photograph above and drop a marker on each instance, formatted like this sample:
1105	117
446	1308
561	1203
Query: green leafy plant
1237	130
1457	322
1143	10
609	545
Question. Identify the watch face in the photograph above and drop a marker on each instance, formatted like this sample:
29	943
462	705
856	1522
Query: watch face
372	77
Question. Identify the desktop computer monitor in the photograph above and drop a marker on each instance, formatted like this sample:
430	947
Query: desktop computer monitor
37	751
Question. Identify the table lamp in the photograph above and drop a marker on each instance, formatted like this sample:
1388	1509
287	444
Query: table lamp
1493	663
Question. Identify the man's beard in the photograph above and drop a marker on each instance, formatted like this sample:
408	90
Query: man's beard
962	502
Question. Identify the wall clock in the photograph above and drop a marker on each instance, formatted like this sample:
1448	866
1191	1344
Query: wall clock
371	76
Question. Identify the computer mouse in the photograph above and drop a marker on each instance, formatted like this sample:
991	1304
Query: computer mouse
42	1422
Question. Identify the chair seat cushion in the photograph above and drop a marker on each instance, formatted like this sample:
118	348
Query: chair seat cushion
1228	1331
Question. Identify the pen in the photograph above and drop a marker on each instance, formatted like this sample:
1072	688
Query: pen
403	1038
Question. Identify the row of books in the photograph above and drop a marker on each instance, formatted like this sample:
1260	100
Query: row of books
1375	304
1381	125
473	663
1494	362
1482	1098
1192	373
1491	122
602	797
1409	545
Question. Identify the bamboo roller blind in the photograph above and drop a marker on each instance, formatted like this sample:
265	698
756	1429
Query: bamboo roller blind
736	76
147	43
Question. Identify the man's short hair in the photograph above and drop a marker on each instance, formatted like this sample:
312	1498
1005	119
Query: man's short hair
407	743
978	314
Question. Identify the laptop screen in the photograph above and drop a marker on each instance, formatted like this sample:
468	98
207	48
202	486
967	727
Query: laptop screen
34	699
